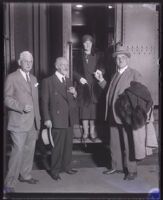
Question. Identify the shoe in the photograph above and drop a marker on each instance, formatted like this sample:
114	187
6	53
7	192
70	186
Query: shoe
130	176
45	163
8	190
110	171
30	181
93	139
56	177
72	171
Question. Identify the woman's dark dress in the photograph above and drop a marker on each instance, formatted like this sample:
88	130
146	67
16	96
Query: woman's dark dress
88	94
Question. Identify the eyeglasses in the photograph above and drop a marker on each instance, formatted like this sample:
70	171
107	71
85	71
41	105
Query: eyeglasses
27	61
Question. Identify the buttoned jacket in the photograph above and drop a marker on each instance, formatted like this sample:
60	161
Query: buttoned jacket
57	104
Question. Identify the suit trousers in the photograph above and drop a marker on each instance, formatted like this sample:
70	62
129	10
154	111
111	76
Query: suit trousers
121	149
62	152
21	157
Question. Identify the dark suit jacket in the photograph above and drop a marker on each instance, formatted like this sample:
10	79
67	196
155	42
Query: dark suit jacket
57	104
17	94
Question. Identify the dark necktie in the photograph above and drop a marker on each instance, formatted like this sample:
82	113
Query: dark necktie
64	80
28	80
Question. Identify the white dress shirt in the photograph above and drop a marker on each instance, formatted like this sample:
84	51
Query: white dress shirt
122	70
60	76
24	74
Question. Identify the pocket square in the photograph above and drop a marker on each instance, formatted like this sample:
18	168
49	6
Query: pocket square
36	84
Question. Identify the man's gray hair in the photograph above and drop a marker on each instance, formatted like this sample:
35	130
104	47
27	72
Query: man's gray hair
24	54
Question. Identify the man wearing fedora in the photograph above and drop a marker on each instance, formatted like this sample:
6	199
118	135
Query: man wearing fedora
58	101
122	159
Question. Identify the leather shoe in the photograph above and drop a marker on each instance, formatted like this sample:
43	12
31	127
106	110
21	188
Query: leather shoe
8	190
55	177
93	139
30	181
130	176
72	171
112	171
109	171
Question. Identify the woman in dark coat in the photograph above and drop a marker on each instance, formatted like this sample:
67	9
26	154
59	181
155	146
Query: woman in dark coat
89	91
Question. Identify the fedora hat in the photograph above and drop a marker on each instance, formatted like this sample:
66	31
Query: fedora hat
47	137
87	38
121	50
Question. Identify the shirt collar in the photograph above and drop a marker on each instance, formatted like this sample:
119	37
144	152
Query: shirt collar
122	70
60	76
24	74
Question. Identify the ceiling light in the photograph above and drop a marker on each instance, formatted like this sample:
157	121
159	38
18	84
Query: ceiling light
110	7
79	6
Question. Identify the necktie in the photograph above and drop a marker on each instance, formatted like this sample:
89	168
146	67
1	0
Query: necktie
63	80
28	81
27	78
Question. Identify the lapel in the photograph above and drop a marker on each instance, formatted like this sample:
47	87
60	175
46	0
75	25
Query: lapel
59	87
107	95
122	81
83	64
32	85
120	85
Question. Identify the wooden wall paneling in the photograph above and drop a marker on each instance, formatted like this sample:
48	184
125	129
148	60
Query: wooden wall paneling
36	44
22	12
43	67
12	38
29	16
6	33
66	31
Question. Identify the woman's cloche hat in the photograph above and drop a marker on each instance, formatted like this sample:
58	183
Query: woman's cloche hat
87	38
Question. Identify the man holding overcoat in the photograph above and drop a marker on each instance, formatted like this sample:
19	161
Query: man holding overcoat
121	138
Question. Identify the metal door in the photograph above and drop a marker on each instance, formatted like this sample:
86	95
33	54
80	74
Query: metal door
137	27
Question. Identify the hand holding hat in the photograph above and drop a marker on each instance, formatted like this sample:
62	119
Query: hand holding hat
47	137
46	133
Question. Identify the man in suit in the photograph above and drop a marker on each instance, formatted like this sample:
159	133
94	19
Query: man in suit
57	101
21	99
120	135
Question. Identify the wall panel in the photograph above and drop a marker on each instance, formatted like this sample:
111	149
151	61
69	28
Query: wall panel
140	35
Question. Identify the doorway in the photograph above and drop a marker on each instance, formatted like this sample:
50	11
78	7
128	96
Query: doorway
96	20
